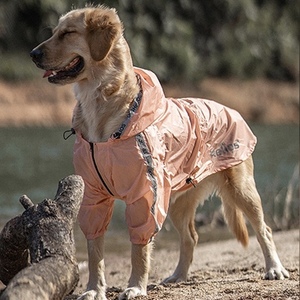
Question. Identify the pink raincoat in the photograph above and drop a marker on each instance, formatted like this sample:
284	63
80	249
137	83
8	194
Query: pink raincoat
164	145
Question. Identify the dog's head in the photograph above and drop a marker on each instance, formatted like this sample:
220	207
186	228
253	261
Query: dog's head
83	38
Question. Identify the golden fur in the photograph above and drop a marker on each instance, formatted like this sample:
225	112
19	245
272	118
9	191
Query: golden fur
104	87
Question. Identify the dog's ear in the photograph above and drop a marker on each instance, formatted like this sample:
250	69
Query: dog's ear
103	29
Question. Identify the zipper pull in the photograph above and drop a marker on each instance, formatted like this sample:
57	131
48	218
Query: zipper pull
190	181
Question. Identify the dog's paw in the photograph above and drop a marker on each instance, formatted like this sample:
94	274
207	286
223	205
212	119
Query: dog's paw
174	279
278	272
131	293
92	295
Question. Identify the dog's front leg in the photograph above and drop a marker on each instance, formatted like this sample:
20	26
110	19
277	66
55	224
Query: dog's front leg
140	260
96	284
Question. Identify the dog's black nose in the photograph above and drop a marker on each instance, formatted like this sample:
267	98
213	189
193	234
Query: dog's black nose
36	54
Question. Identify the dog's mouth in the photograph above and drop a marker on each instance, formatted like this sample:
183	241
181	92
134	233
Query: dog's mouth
71	70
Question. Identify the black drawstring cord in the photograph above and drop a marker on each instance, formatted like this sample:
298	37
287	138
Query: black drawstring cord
68	133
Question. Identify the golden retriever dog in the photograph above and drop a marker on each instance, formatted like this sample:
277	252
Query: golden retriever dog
125	129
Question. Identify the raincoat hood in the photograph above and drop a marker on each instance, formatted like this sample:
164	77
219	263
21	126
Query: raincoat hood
150	108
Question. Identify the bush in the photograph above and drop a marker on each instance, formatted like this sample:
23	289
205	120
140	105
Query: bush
181	39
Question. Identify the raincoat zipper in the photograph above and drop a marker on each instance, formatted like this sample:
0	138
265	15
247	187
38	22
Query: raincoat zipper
97	170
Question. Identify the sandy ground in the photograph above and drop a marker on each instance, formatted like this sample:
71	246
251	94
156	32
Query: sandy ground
220	270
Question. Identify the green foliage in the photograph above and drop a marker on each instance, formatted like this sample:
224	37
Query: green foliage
181	40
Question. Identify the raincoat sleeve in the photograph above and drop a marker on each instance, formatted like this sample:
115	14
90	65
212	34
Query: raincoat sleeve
97	206
146	215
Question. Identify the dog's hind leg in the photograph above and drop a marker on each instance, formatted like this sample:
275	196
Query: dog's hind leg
182	213
239	195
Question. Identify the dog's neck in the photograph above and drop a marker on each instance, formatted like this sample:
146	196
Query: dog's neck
104	100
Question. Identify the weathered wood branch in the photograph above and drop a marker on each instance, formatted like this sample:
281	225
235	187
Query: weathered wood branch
44	234
13	249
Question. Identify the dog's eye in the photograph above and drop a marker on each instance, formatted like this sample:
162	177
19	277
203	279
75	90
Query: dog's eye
66	33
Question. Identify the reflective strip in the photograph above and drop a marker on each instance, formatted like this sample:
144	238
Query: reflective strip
134	107
141	141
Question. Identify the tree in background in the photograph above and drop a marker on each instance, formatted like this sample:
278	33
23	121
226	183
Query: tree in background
180	39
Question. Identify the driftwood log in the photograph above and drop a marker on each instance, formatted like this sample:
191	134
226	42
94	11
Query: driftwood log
37	249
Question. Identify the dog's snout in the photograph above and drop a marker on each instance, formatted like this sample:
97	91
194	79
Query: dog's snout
36	54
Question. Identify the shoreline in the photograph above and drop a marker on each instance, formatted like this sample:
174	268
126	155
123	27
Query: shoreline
39	103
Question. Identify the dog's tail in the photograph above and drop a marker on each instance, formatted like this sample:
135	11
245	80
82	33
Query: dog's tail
236	222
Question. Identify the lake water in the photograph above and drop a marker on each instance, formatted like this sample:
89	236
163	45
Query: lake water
33	160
